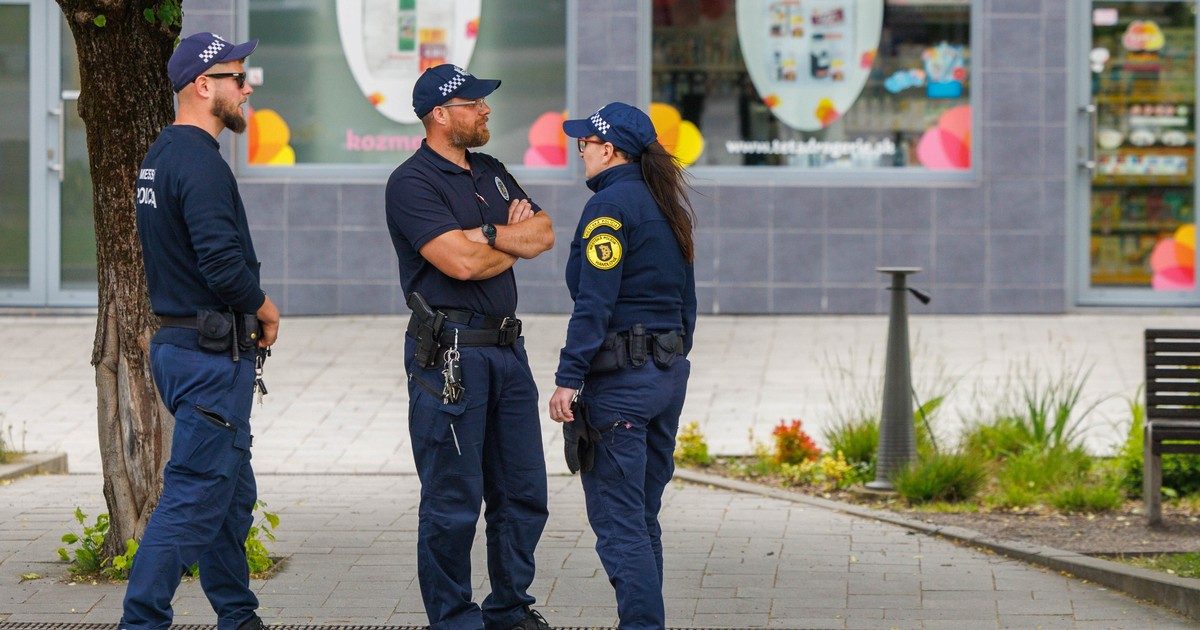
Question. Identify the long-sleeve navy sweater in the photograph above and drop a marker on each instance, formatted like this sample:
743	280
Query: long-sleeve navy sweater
625	268
195	238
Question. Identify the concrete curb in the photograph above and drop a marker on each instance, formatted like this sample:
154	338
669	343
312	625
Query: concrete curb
1180	594
34	464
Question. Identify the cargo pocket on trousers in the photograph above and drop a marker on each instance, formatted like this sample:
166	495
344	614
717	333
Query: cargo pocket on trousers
204	441
429	418
616	442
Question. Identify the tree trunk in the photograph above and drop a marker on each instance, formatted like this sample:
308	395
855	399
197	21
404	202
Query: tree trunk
125	100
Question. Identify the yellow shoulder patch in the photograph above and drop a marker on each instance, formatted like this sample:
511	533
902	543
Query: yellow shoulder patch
604	251
598	222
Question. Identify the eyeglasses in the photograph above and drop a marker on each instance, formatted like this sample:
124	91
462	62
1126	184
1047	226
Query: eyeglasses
240	77
583	142
478	103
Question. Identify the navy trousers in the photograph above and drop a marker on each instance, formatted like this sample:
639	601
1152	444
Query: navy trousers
637	410
486	447
208	491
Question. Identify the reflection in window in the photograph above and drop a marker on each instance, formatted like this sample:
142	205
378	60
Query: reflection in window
338	76
819	83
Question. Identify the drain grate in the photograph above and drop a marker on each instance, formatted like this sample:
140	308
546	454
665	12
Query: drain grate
48	625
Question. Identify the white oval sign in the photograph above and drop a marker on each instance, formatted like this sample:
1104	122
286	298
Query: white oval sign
809	59
389	43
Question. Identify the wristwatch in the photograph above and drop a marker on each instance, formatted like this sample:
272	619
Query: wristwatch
489	231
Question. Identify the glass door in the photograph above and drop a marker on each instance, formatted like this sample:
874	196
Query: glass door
47	236
1137	154
16	153
72	231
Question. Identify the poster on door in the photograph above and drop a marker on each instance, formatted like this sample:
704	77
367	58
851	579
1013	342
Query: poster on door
389	43
809	59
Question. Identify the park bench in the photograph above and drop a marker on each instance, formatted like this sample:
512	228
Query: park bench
1172	407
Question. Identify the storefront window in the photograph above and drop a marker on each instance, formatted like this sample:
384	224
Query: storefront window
818	84
1143	78
337	77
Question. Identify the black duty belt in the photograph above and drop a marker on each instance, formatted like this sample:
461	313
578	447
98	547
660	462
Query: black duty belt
178	322
485	331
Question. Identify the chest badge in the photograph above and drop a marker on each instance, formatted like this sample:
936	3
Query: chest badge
604	251
502	188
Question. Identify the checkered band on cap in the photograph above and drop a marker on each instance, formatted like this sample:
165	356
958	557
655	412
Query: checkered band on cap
451	85
211	51
601	125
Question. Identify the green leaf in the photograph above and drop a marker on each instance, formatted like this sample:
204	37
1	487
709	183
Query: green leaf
273	519
25	577
100	20
80	516
62	553
149	15
70	539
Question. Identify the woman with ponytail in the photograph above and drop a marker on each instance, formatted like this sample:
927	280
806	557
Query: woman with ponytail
623	371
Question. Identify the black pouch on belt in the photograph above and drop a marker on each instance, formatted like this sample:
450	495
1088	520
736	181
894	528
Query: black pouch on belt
248	331
637	345
611	356
579	440
214	330
668	347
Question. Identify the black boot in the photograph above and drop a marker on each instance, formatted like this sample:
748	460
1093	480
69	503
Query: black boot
253	623
533	621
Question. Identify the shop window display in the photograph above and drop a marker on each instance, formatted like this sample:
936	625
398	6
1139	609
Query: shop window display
1143	102
337	77
818	84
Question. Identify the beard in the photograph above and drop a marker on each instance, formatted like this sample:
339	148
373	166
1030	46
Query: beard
464	136
230	114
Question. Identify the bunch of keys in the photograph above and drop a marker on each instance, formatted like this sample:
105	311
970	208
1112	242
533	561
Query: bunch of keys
452	387
260	388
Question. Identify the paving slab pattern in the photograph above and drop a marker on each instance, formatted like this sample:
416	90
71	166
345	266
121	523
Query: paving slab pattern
732	561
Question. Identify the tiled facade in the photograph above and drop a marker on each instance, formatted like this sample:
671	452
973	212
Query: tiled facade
994	245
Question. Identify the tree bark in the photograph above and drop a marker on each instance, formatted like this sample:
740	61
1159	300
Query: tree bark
125	100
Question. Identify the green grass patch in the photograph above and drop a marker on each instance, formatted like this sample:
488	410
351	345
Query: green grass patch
945	478
1182	564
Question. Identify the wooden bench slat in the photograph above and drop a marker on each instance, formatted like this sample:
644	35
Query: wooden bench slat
1155	372
1172	413
1181	347
1172	333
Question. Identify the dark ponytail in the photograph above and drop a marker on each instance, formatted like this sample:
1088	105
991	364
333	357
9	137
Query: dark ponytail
668	185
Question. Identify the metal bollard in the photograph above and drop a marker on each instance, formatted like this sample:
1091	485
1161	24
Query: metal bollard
897	442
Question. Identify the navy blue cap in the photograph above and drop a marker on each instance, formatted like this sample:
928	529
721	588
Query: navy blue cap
196	53
625	126
442	83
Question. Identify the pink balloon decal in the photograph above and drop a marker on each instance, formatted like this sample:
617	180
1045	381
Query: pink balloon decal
547	142
948	145
1173	262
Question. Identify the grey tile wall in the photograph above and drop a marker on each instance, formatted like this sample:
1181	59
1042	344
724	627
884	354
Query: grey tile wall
996	245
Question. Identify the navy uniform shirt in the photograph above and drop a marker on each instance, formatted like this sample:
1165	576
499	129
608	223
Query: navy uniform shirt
428	196
625	268
195	239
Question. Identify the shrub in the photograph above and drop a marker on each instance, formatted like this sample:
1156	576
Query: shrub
1001	438
1181	472
792	444
830	470
691	449
1030	476
1087	496
857	440
941	477
1049	409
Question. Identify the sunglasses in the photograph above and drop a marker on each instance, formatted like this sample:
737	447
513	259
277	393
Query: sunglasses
240	77
583	142
478	103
